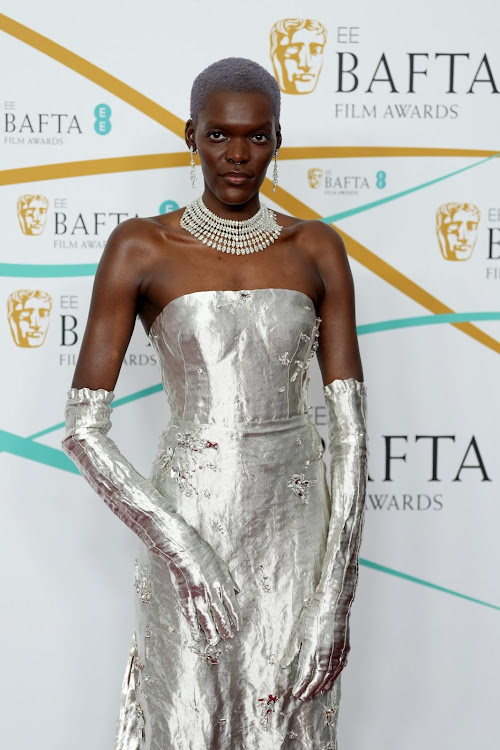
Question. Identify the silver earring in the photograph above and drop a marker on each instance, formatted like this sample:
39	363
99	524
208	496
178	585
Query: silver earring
275	170
193	151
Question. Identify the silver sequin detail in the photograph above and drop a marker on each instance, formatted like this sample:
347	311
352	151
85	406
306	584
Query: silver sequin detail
284	359
300	485
282	389
267	707
330	715
147	633
298	440
142	587
140	716
292	735
263	579
210	654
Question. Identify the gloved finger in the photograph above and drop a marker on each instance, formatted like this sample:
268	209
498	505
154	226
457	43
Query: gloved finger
206	622
306	668
327	680
232	607
309	687
219	617
189	612
291	650
328	683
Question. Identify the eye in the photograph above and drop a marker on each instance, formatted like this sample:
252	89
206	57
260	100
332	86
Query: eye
216	136
260	138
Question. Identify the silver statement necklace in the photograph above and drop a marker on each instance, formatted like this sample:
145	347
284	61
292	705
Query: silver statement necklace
230	235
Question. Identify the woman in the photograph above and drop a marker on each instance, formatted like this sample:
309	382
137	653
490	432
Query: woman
246	565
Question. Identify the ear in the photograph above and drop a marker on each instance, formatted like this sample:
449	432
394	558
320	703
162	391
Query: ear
189	134
278	137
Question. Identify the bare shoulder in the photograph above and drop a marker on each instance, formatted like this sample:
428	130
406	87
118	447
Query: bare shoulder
136	242
322	243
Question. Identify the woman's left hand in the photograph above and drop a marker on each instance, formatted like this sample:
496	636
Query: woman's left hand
320	649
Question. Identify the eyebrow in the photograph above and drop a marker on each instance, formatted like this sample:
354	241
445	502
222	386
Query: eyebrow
215	125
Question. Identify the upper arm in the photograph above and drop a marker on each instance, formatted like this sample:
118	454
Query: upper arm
338	351
113	310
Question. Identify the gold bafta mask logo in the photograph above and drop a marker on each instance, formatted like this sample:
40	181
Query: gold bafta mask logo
29	312
456	228
32	213
297	46
314	176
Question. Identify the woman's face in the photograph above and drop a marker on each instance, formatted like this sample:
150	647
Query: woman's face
236	136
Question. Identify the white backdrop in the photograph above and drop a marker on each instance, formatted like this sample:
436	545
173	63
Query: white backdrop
92	103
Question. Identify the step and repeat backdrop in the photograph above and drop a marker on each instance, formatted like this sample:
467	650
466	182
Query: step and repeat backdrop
390	126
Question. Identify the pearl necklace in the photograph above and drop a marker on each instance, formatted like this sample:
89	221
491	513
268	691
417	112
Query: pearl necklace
230	235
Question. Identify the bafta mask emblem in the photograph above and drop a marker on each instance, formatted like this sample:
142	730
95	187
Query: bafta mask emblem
32	213
456	228
314	176
297	46
28	312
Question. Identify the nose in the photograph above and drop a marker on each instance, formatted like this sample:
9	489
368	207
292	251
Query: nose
237	151
462	231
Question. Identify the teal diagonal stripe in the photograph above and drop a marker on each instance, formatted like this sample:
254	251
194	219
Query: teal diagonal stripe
426	320
389	198
43	454
422	582
46	271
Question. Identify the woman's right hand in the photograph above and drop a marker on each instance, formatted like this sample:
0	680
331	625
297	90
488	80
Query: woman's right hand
207	594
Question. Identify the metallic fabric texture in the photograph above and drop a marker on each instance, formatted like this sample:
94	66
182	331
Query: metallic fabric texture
238	485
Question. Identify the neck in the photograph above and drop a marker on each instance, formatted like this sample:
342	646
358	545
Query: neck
238	212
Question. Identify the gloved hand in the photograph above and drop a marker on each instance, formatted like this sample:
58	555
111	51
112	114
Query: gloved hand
321	634
205	586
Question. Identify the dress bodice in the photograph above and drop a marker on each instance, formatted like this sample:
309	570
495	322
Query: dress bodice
233	357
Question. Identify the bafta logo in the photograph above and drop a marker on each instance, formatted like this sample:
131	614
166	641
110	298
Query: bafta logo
297	46
314	177
32	213
456	228
28	313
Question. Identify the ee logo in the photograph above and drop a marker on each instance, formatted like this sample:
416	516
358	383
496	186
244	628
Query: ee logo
102	113
167	206
381	179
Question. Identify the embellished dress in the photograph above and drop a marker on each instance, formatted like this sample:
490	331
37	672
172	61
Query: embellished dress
242	462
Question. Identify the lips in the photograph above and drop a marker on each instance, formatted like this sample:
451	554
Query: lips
236	178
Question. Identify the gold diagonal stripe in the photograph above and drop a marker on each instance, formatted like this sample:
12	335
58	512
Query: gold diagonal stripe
286	200
350	152
93	73
93	167
384	270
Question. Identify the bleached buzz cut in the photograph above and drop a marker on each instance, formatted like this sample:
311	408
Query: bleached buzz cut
236	74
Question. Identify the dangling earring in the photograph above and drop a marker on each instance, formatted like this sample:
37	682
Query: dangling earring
192	165
275	170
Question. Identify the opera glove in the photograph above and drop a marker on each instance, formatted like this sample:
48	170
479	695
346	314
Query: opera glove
205	586
321	635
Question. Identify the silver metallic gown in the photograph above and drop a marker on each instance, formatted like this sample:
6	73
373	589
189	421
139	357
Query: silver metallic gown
242	462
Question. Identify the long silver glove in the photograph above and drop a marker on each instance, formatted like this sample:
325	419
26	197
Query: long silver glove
322	630
204	582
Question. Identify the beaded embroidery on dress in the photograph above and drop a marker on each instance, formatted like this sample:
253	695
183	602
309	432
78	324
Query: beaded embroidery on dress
242	462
